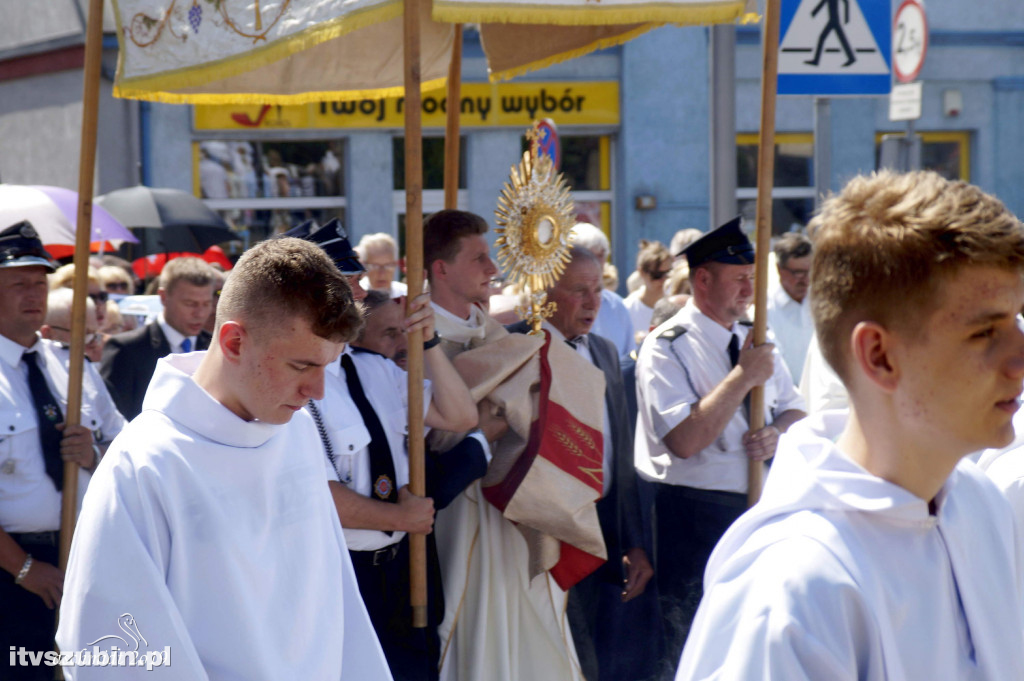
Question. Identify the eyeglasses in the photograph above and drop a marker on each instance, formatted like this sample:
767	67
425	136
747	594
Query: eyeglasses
90	338
116	286
377	267
657	276
100	298
798	274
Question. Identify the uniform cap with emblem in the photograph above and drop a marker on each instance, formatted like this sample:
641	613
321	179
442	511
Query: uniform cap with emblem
333	239
726	244
20	247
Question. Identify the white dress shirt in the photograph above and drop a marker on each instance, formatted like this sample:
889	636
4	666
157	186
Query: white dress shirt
174	337
396	289
792	325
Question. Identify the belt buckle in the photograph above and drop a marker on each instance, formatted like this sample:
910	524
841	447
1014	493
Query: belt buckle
384	555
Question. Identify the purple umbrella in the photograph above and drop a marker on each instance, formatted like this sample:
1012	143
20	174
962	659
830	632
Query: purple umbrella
53	211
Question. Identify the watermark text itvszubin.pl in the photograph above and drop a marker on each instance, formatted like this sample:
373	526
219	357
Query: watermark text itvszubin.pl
96	657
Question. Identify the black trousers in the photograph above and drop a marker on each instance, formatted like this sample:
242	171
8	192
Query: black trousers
614	641
688	523
412	654
25	621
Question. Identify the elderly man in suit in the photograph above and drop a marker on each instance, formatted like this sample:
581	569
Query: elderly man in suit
129	359
607	623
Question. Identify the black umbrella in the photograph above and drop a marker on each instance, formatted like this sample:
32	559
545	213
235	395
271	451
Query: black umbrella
167	220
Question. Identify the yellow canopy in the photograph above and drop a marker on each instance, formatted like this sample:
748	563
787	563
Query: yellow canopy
289	52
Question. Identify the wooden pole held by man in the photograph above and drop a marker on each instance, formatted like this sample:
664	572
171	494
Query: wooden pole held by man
451	131
86	174
765	183
414	270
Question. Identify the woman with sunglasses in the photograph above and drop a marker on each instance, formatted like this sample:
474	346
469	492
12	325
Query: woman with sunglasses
654	263
64	277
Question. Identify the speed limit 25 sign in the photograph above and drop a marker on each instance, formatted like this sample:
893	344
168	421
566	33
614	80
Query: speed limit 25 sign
909	41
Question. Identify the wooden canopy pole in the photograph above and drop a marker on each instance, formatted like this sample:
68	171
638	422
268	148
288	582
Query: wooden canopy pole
765	183
86	171
414	269
451	131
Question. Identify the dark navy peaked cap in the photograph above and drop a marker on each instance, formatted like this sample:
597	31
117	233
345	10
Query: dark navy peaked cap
333	239
726	244
20	247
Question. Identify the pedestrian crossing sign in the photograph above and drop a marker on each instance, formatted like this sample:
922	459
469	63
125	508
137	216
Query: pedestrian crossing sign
835	47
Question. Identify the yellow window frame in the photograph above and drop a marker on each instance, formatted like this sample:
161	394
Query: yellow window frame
961	137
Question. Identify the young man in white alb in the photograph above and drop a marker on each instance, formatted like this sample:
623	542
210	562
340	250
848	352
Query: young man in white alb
876	551
208	523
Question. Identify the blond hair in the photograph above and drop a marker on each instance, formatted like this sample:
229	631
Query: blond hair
64	277
109	274
885	243
678	280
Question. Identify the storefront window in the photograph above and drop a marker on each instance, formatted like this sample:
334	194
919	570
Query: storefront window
946	152
433	162
788	215
793	191
265	187
794	160
582	159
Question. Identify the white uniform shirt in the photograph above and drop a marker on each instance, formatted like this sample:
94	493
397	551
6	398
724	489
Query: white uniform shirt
220	539
838	574
385	385
792	325
29	501
673	374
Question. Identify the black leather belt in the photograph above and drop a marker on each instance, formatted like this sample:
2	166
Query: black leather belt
705	496
50	538
378	557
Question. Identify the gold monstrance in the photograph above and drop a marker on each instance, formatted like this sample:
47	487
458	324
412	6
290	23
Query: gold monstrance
535	215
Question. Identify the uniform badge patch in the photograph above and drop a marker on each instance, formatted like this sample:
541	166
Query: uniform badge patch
383	487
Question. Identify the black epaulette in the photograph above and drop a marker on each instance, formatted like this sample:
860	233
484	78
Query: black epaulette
744	322
357	350
673	333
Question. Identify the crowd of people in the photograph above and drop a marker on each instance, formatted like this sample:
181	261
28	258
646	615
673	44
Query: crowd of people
244	473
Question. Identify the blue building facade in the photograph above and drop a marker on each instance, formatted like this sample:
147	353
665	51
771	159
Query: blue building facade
642	130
